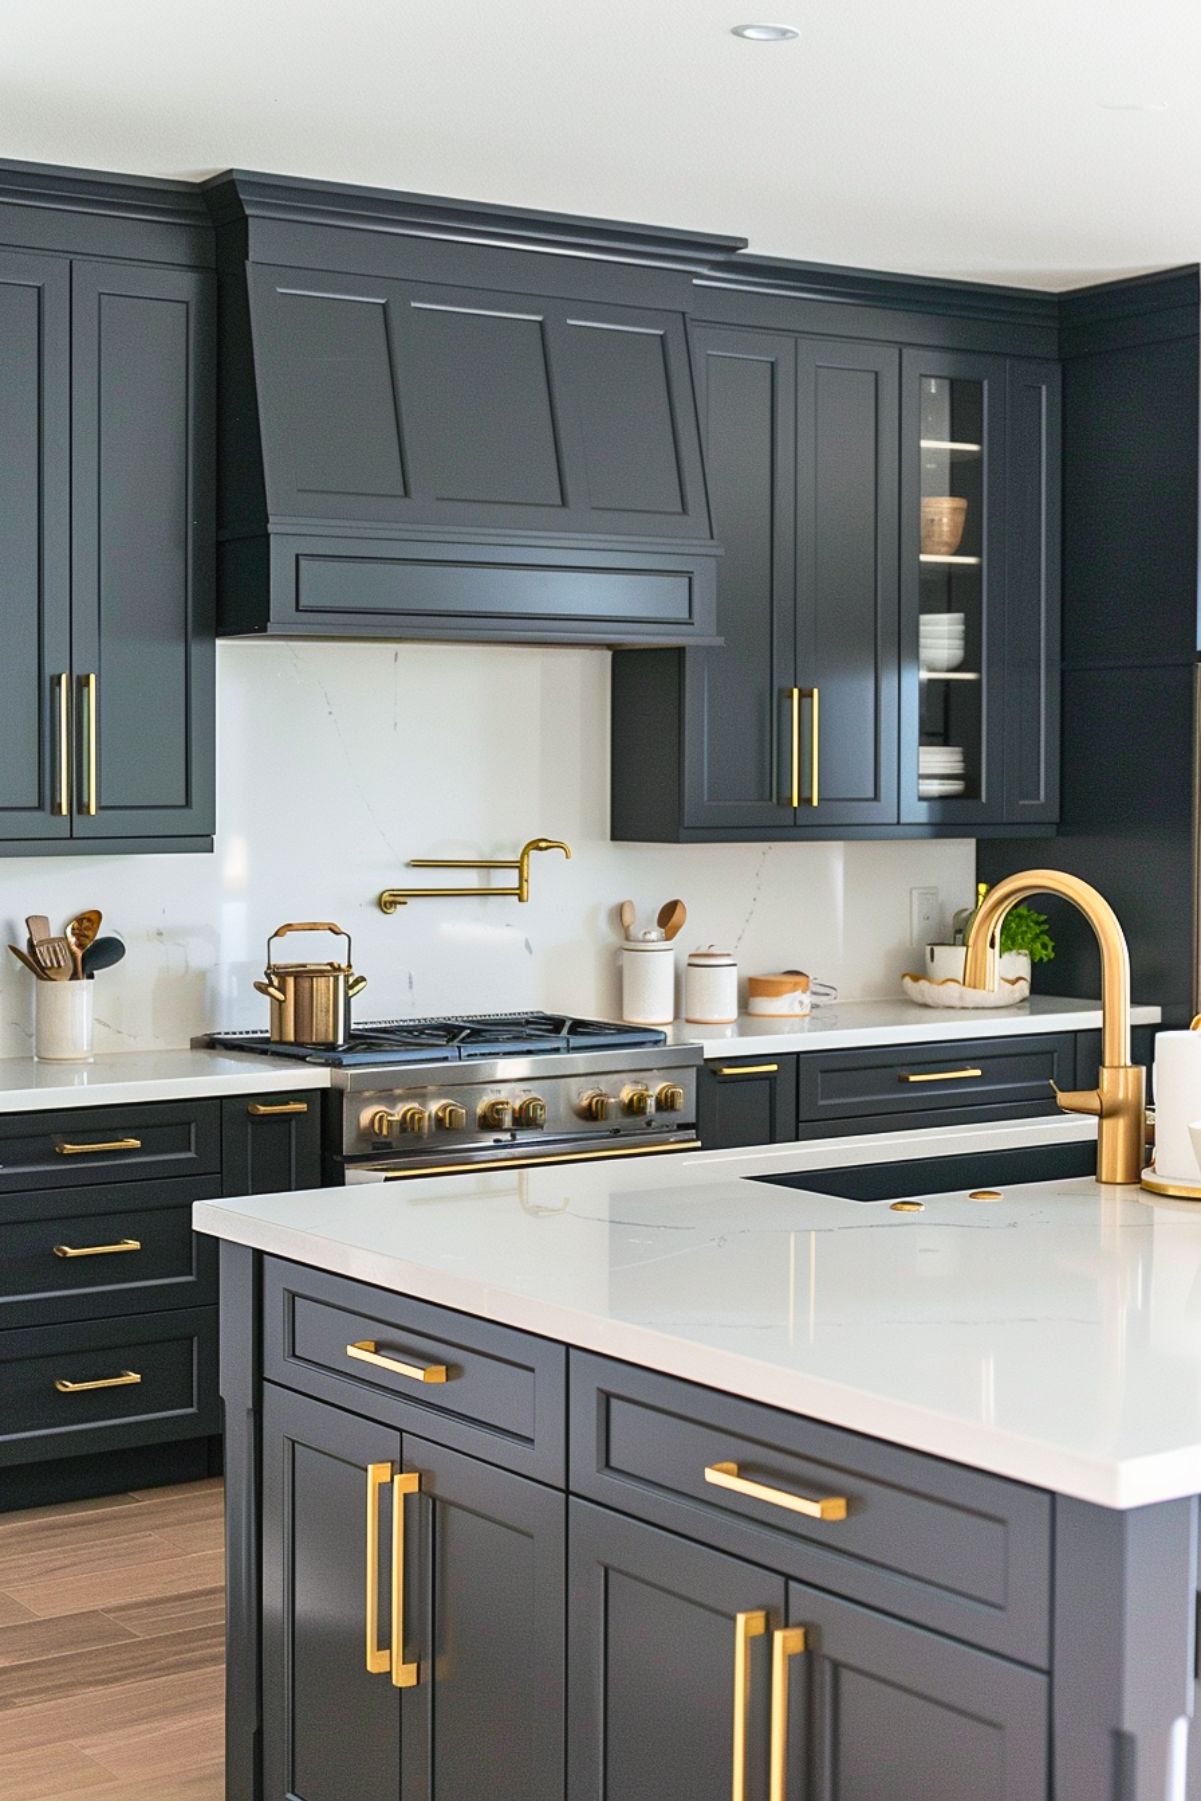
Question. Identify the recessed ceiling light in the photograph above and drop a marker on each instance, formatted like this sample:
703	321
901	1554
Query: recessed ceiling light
765	34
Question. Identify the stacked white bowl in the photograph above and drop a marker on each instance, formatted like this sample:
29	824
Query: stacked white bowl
941	771
941	640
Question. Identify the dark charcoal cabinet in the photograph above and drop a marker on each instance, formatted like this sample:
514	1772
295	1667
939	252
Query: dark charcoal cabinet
270	1143
748	1102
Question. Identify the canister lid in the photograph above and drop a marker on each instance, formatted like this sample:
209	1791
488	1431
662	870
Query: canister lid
791	981
707	956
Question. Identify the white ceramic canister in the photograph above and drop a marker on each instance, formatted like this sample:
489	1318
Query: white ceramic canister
62	1021
648	982
710	987
1177	1106
785	996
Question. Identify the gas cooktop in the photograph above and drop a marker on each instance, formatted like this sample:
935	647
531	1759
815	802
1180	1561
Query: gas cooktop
454	1040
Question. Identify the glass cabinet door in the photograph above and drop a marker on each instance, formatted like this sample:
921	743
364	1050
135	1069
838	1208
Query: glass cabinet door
952	580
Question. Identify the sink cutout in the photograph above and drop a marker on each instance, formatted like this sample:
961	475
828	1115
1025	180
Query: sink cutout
985	1174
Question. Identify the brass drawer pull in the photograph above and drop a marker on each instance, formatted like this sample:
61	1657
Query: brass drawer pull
787	1643
92	1150
260	1110
747	1626
794	786
87	689
378	1657
749	1069
364	1351
97	1250
62	803
943	1075
404	1675
725	1475
126	1379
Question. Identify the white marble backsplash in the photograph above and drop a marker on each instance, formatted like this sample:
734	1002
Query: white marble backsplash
337	762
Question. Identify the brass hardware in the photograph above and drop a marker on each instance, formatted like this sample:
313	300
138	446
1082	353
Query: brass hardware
63	802
787	1643
749	1069
638	1101
404	1675
530	1112
87	690
815	720
747	1626
265	1110
378	1657
91	1150
98	1250
944	1075
985	1194
535	1162
391	898
827	1507
1119	1101
907	1207
364	1350
310	1001
127	1379
670	1097
450	1117
794	791
497	1115
405	1119
598	1105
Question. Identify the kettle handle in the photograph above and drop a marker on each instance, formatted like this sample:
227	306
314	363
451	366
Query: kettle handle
310	925
355	986
272	993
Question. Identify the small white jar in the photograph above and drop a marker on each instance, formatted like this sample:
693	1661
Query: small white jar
648	982
710	988
62	1021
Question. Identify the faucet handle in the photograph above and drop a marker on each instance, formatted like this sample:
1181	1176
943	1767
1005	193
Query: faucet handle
1079	1100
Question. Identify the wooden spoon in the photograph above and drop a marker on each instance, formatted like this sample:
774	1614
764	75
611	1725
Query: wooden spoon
81	931
628	916
672	915
27	960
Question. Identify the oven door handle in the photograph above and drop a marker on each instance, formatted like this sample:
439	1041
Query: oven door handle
390	1173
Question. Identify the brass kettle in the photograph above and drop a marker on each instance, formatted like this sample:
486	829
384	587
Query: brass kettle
310	1002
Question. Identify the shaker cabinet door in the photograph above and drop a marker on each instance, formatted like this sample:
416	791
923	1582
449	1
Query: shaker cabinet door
1032	592
35	599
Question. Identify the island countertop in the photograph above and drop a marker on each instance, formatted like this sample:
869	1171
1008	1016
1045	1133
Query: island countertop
1052	1336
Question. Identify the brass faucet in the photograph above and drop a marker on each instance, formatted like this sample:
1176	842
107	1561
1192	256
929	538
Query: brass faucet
1119	1102
391	898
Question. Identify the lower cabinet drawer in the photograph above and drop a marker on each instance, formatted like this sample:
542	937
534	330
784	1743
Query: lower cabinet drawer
108	1384
932	1085
85	1145
964	1553
87	1253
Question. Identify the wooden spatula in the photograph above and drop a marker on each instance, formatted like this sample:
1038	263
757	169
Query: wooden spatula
54	956
38	927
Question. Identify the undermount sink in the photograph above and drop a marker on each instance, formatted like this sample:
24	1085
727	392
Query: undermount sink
942	1175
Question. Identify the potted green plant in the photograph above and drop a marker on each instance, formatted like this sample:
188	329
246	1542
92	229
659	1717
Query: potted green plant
1026	940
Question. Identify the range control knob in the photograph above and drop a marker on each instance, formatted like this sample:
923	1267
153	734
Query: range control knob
638	1100
531	1111
498	1115
450	1117
670	1097
596	1104
395	1125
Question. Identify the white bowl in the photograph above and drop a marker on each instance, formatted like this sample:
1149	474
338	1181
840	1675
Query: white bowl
942	656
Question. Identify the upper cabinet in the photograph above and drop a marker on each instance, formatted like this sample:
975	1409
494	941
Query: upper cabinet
436	437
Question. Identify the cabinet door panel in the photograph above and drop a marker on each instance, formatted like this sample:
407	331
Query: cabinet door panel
142	550
34	542
747	1103
1032	596
651	1663
271	1143
487	1626
329	1727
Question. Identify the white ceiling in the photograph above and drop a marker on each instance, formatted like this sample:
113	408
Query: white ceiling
948	136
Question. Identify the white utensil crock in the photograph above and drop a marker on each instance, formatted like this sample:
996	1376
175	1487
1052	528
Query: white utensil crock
648	982
62	1021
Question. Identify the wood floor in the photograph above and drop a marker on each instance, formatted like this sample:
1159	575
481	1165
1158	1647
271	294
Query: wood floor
111	1649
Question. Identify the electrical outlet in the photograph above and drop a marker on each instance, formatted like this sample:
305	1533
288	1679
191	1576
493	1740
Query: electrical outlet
923	915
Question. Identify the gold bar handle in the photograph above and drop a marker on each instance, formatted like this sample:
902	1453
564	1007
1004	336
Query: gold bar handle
794	787
62	804
726	1475
364	1351
943	1075
749	1069
404	1675
126	1379
92	1150
814	697
97	1250
378	1657
787	1643
747	1626
87	689
260	1110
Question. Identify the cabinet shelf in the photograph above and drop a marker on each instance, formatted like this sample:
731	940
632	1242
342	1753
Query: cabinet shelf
949	675
953	445
962	562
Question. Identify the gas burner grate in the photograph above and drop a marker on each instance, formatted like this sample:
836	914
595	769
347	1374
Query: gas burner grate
455	1039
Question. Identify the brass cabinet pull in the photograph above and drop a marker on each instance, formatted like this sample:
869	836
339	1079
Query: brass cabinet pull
943	1075
91	1150
749	1069
747	1626
87	689
62	802
827	1507
794	787
97	1250
787	1643
261	1110
364	1351
126	1379
378	1657
404	1675
814	697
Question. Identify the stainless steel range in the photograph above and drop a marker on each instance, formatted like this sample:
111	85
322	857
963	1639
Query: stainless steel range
442	1096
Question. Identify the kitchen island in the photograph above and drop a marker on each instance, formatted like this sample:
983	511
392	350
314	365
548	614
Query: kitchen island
688	1482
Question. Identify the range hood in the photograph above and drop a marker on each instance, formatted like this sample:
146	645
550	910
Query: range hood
440	419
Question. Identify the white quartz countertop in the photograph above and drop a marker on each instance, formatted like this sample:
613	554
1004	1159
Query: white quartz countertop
119	1078
1053	1336
858	1025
